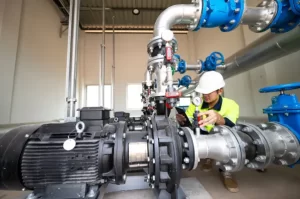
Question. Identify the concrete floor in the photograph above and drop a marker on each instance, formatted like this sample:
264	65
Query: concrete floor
276	183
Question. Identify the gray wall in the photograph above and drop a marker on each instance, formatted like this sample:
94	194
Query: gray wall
32	62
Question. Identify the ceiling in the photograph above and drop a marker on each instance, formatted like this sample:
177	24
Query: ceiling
122	10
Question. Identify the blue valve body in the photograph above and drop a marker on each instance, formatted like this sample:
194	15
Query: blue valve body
181	64
287	18
185	81
212	61
226	14
285	108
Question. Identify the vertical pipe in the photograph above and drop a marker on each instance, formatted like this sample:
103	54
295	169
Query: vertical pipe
102	65
71	78
113	73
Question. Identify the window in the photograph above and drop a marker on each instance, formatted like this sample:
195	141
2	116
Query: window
134	97
92	96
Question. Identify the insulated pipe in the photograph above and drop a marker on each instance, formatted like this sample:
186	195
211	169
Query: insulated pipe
176	14
102	65
267	48
71	78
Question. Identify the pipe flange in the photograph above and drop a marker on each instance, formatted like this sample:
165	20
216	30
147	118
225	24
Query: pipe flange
287	150
268	17
192	144
234	144
158	42
285	19
154	62
265	153
198	4
295	6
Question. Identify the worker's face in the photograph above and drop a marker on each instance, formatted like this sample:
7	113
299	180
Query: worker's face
211	97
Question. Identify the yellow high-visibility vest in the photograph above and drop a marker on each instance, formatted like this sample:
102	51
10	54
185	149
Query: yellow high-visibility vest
227	108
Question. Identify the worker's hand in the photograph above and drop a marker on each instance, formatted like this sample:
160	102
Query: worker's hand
211	117
180	118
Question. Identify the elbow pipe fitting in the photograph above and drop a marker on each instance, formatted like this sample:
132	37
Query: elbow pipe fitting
177	14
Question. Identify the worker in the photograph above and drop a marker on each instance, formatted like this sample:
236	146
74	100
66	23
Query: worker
215	110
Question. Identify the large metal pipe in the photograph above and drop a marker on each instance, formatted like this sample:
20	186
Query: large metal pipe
71	73
176	14
102	65
266	49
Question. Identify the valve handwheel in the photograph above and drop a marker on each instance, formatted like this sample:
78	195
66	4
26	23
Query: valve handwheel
280	87
216	58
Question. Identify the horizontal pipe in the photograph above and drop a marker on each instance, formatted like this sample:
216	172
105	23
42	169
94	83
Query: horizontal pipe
252	15
266	49
134	31
214	147
193	67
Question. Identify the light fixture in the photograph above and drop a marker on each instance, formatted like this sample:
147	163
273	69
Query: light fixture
135	11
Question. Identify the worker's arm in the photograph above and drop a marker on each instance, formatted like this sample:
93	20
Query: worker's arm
213	117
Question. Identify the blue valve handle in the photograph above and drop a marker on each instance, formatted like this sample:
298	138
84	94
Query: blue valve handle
216	58
280	87
185	81
212	61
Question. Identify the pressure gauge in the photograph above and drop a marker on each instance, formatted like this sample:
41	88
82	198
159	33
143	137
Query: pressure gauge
197	101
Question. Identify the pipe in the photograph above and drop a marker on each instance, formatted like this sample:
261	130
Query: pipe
214	147
102	65
71	78
252	15
266	49
176	14
113	71
193	67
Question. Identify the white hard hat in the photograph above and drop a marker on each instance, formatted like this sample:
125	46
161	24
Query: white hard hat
209	82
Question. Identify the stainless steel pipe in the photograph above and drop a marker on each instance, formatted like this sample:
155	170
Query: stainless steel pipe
267	48
102	65
71	79
113	71
176	14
